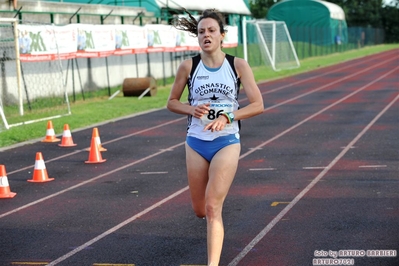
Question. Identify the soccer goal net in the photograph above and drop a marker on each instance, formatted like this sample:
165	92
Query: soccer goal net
32	86
270	42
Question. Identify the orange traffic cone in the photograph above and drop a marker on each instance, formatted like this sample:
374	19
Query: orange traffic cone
66	140
50	135
95	135
5	192
95	154
40	172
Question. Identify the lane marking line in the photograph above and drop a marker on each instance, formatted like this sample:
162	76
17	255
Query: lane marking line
154	173
373	166
262	169
112	264
27	263
168	149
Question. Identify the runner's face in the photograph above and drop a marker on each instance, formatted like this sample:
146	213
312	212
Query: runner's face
209	36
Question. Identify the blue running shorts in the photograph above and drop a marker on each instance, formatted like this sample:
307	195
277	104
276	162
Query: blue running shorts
208	148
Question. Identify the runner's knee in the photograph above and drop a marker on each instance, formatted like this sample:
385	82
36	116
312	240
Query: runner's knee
199	211
213	210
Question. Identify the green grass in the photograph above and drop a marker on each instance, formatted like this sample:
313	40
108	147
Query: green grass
99	109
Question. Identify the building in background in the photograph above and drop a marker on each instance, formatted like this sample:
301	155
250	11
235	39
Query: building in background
311	21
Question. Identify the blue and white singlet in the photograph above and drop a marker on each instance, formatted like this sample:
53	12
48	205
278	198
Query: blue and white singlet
220	88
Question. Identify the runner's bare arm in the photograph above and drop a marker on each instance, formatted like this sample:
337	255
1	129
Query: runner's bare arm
251	90
174	104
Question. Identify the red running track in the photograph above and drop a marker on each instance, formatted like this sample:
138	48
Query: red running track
317	183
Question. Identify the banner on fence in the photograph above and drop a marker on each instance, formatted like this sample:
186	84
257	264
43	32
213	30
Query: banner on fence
48	42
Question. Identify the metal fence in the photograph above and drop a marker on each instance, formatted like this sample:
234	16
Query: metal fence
313	41
317	41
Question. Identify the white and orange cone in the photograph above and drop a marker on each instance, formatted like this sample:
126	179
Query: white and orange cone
5	192
50	135
95	154
95	135
40	171
66	140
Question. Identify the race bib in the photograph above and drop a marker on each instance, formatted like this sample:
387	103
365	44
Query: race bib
216	110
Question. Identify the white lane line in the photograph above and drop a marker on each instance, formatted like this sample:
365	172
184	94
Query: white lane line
373	166
153	173
262	169
254	148
276	219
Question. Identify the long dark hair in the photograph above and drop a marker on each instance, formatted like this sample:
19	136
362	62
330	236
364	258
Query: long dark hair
190	24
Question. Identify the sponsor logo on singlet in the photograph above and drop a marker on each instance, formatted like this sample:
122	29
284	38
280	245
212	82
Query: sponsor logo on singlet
212	88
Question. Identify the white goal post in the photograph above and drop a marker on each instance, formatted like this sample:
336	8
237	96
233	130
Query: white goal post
273	41
32	87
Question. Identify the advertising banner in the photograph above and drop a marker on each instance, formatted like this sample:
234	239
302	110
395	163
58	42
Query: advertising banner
49	42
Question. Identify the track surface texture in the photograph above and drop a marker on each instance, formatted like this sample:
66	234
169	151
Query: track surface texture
317	183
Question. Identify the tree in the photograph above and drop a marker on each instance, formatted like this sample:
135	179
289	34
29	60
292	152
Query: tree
390	22
259	8
360	13
372	13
